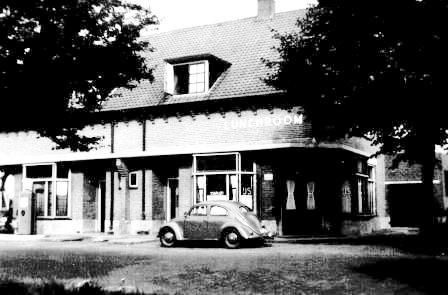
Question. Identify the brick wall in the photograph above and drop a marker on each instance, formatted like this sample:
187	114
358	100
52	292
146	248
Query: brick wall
230	127
89	202
22	147
135	196
267	192
381	205
77	185
128	136
406	171
185	189
158	197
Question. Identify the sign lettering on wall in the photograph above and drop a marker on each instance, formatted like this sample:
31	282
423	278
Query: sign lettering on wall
289	119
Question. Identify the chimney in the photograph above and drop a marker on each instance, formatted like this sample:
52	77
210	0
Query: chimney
266	9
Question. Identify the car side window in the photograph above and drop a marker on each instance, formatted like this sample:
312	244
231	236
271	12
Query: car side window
218	211
199	211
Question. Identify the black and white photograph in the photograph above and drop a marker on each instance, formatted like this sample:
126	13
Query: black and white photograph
223	147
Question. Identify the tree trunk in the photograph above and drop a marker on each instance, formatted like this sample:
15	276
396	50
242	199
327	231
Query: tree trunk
428	161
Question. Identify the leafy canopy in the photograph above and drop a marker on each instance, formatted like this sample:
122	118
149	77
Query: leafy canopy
373	68
60	59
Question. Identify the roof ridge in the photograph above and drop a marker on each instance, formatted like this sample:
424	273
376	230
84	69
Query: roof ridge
218	24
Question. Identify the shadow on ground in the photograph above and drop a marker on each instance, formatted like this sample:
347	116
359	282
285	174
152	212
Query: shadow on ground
11	287
412	244
65	266
427	275
219	244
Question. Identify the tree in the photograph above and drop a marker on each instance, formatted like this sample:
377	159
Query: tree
375	69
60	59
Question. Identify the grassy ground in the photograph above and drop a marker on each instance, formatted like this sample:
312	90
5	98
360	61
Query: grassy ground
278	269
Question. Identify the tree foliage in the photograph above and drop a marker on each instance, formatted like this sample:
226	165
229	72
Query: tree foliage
374	68
60	59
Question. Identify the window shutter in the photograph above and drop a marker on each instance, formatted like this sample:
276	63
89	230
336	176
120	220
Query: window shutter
169	78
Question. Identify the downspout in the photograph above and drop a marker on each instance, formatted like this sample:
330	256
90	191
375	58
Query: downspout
143	170
112	179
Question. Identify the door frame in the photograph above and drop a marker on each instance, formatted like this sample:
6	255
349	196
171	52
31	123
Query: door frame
101	199
168	196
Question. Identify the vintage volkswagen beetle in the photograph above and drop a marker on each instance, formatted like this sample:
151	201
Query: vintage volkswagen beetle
228	221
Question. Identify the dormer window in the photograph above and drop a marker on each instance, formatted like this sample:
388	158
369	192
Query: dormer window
192	75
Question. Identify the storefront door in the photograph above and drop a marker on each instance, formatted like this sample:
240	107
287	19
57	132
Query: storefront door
300	213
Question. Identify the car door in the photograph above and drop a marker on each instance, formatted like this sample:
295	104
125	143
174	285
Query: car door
218	215
195	223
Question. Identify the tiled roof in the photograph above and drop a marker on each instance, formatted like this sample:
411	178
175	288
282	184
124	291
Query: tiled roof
242	43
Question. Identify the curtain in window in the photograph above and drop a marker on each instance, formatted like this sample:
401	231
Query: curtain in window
290	202
346	197
9	186
310	201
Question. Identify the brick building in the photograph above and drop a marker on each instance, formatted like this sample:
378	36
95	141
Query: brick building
207	128
404	190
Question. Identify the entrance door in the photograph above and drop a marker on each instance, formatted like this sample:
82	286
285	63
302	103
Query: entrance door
172	198
102	205
300	215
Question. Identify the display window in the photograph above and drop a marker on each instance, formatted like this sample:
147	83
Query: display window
224	177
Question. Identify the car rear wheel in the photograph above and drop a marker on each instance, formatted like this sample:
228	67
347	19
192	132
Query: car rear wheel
232	238
167	238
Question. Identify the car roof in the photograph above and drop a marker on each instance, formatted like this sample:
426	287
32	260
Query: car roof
229	204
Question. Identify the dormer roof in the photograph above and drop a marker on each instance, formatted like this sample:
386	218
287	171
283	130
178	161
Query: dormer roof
241	43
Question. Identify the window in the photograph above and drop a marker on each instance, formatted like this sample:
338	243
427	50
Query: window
365	189
224	177
218	211
187	78
50	188
133	180
193	75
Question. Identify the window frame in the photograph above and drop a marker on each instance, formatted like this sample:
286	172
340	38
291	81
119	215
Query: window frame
130	184
369	198
170	86
238	172
54	181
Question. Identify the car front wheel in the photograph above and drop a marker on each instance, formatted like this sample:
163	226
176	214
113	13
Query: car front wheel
232	238
167	238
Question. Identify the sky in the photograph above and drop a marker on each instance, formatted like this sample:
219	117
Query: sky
175	14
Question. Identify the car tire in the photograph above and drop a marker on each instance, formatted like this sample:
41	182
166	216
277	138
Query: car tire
167	238
231	238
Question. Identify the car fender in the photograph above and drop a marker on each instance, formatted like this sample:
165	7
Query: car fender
176	228
243	232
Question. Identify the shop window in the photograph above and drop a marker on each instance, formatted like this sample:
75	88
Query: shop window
216	187
221	177
7	189
39	171
50	188
227	162
247	193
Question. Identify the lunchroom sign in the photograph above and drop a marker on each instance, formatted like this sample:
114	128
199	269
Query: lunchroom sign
242	123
